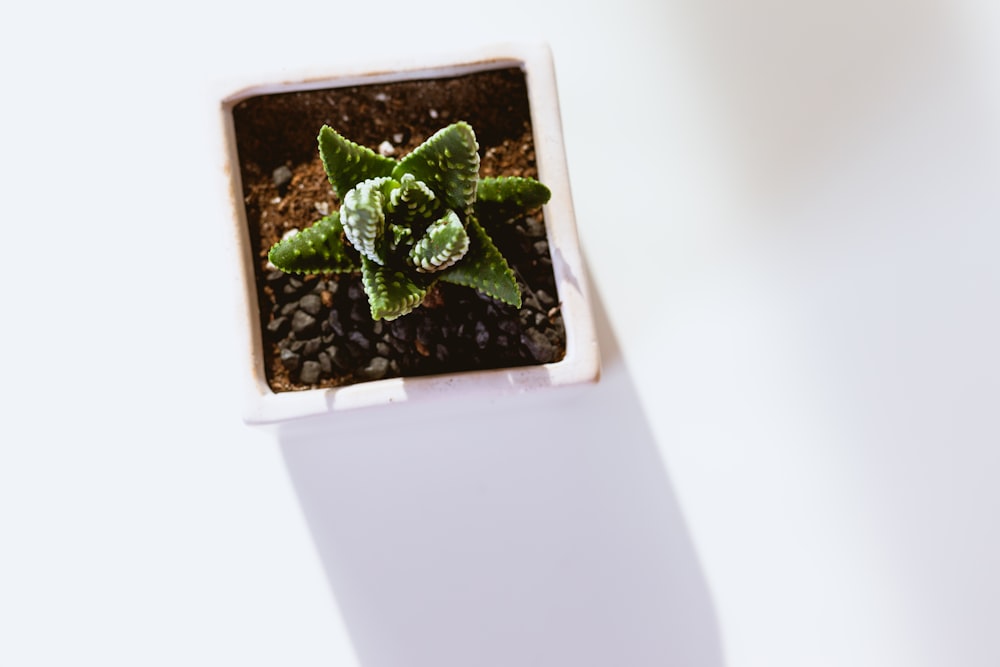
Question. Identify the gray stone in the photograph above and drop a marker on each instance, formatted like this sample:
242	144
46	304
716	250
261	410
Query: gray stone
376	369
304	324
290	360
538	345
310	372
325	363
359	339
278	327
311	303
281	176
311	348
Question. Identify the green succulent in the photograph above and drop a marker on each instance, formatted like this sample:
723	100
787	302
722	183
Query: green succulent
405	224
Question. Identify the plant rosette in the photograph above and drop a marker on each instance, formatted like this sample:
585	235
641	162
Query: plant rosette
408	235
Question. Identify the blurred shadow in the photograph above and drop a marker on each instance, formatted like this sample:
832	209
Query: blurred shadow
536	530
798	82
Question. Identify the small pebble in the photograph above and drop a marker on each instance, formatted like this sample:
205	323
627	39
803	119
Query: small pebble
281	176
311	348
534	227
396	344
339	356
361	312
290	360
482	335
509	326
359	339
278	327
538	345
401	329
376	369
303	324
529	301
325	363
310	372
335	324
311	303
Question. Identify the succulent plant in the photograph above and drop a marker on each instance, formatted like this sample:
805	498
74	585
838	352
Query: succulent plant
406	224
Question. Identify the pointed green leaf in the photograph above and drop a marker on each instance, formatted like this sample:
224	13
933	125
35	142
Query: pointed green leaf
444	243
448	163
363	216
347	163
516	190
484	268
319	248
390	293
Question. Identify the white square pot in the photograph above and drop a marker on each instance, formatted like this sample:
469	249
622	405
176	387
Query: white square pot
581	363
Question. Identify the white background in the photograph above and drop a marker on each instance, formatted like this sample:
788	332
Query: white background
791	213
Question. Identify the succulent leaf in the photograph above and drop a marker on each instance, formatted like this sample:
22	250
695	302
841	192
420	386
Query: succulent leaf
390	293
448	162
348	164
444	243
484	268
363	216
318	248
413	200
516	190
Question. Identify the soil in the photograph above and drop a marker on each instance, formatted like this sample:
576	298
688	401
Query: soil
318	330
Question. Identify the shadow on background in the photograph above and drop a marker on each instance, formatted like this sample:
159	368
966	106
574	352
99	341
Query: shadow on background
802	83
537	530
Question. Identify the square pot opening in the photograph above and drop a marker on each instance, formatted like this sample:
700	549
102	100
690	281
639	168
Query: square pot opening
314	333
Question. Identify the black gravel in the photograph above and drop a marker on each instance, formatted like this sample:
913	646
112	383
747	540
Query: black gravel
323	333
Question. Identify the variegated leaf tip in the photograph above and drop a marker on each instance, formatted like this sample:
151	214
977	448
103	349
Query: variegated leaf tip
444	243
